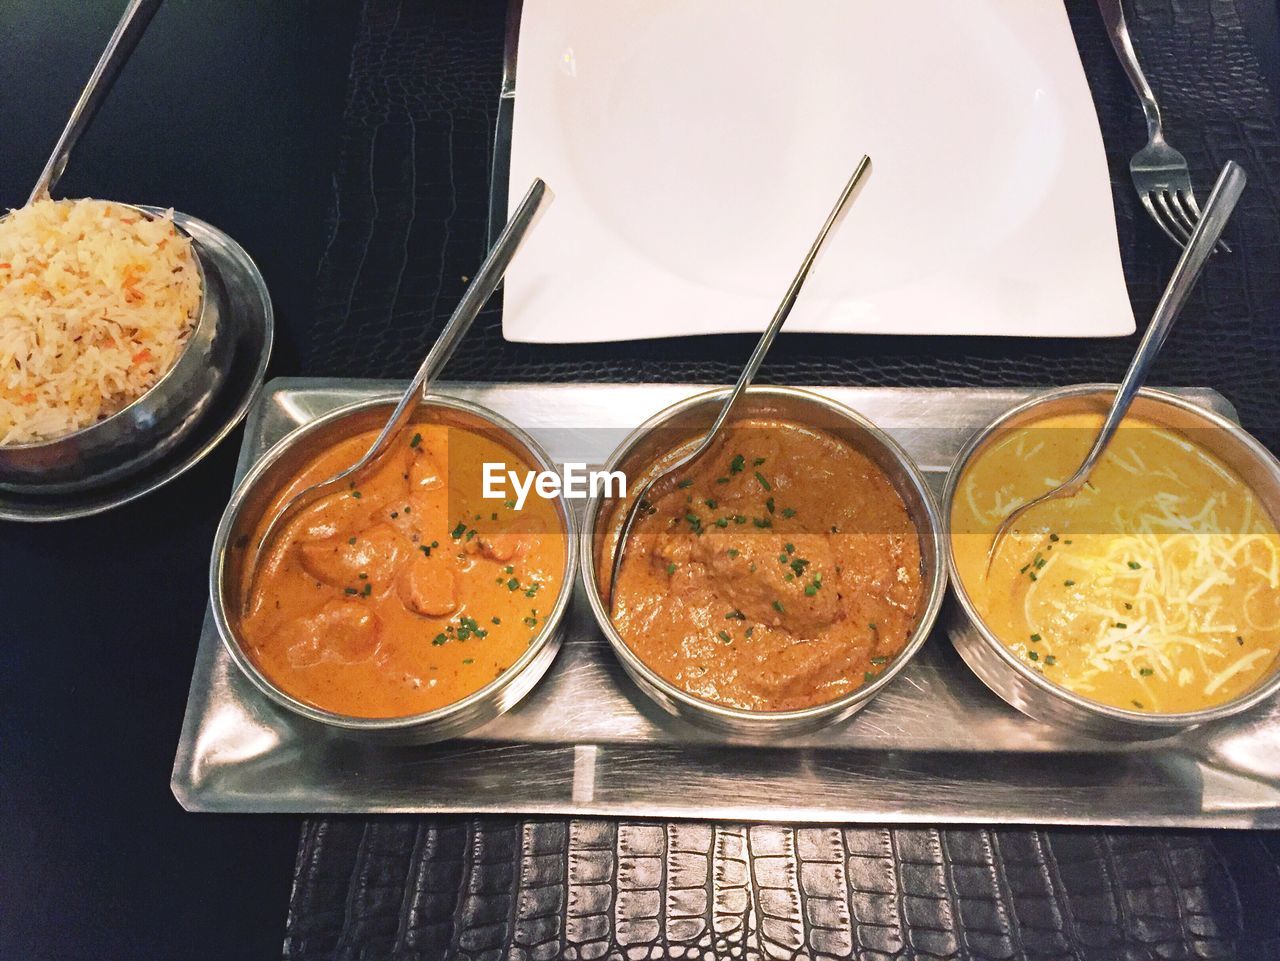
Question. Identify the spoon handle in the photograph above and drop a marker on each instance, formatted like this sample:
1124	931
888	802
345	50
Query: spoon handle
1222	201
789	299
133	23
477	294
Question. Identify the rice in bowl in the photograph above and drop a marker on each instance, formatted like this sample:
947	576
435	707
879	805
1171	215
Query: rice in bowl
97	302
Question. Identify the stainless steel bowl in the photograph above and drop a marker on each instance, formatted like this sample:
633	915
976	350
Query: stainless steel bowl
681	421
144	430
277	467
1030	691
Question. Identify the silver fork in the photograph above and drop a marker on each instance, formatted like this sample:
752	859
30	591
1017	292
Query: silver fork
1159	172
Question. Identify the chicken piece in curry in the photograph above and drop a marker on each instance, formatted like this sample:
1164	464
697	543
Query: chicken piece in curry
410	591
780	571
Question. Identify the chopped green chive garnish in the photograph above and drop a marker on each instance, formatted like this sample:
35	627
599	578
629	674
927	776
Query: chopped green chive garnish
736	465
735	615
1035	638
356	494
762	522
417	439
1068	583
724	636
878	661
1051	660
458	531
687	482
769	505
1146	671
1137	704
671	569
1033	655
763	483
810	590
351	540
777	606
733	552
757	462
496	620
1121	625
439	639
788	512
513	584
1134	565
350	590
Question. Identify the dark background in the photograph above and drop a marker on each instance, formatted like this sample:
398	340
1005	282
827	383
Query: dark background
247	113
228	110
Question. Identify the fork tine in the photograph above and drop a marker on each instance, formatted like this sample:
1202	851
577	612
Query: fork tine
1161	221
1189	199
1183	216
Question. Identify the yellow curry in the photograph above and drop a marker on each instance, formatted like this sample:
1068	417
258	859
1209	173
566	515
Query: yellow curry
779	572
410	591
1156	588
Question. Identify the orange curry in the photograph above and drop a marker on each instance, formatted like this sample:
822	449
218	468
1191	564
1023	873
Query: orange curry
410	591
780	572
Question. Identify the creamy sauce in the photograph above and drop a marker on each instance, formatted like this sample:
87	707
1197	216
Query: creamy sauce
411	591
780	572
1156	588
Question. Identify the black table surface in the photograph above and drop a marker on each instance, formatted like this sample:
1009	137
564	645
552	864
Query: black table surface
229	111
232	111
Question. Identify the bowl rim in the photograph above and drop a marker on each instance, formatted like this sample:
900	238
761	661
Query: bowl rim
1098	709
350	722
926	616
202	316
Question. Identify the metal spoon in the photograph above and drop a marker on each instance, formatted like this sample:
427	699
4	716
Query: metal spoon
478	292
133	23
748	372
1222	201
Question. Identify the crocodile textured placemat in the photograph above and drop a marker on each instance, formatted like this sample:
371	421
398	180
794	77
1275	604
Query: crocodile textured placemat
411	197
423	889
408	224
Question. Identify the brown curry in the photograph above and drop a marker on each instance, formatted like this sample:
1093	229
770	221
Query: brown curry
779	572
410	591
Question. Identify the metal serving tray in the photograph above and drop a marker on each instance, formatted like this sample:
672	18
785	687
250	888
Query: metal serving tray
935	746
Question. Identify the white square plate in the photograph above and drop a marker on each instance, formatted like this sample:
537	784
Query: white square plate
695	147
